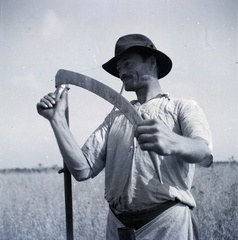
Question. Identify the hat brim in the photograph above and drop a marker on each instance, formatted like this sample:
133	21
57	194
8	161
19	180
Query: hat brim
164	62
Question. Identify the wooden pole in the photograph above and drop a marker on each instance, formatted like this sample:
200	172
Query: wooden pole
68	203
68	193
67	180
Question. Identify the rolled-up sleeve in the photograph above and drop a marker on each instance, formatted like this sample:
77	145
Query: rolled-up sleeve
94	148
194	124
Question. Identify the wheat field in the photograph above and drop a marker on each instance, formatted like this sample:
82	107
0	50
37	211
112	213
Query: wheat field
32	204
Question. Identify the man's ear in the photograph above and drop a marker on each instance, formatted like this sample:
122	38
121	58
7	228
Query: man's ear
152	60
153	64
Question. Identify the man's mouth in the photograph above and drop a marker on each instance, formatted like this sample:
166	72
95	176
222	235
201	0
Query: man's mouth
126	78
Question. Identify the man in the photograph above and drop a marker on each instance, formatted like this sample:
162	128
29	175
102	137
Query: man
175	129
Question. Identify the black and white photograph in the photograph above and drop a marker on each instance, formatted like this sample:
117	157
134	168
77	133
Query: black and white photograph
119	120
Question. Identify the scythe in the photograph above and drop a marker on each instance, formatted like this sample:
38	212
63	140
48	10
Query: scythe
122	104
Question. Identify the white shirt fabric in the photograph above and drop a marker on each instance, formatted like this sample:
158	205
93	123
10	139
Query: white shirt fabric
131	182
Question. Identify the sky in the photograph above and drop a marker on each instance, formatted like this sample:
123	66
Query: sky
39	37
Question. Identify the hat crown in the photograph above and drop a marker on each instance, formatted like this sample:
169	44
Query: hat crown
132	40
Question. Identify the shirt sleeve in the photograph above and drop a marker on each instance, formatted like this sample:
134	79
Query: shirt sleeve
94	148
194	124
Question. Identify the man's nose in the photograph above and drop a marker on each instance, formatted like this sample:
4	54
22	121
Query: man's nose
122	72
123	76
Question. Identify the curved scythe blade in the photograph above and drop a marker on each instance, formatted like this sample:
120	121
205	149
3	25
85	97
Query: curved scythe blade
110	95
100	89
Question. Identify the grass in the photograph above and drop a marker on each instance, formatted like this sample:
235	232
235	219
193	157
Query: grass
216	193
32	205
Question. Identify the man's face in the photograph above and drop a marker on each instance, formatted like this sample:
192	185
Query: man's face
134	71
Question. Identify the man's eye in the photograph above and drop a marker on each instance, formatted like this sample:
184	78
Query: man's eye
128	64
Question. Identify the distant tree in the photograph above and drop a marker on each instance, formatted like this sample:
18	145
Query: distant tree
232	159
40	165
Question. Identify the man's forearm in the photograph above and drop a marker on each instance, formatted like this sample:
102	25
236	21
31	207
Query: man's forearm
194	150
71	151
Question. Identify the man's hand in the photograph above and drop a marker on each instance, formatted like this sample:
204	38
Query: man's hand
154	135
52	106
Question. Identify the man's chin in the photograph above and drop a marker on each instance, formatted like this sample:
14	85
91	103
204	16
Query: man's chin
129	88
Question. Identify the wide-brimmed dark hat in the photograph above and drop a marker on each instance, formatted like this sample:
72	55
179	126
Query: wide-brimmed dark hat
139	44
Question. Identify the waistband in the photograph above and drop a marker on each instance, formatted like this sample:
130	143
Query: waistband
138	219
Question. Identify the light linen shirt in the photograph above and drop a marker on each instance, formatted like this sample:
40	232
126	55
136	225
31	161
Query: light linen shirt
131	182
